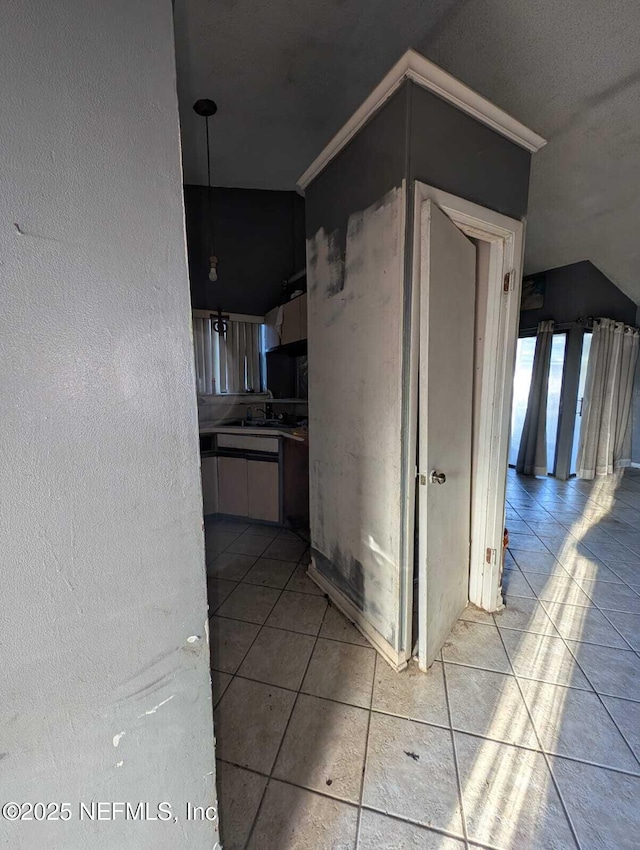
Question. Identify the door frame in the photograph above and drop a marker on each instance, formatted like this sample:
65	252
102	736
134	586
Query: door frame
506	245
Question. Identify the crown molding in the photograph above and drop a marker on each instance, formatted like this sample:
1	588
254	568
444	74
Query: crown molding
430	76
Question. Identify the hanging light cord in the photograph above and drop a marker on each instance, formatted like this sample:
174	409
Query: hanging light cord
209	187
206	108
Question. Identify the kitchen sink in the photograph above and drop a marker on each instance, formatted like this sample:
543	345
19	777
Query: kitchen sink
255	423
261	423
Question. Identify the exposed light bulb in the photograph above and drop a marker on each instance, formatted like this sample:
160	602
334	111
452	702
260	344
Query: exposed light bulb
213	269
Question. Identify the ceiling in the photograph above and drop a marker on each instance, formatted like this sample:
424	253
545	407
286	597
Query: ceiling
286	74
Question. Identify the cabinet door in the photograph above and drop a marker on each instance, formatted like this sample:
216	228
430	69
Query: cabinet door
264	490
232	486
209	472
271	334
303	316
291	323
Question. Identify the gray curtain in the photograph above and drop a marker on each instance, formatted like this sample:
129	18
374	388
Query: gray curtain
532	454
605	432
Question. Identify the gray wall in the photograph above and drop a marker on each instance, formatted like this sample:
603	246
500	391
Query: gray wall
577	291
259	242
452	151
104	697
377	155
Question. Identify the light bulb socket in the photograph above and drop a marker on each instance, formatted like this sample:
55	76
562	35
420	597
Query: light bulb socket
205	107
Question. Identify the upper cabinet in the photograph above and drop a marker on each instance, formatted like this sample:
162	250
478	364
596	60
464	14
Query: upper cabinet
293	327
271	333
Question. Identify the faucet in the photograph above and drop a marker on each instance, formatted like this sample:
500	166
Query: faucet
249	413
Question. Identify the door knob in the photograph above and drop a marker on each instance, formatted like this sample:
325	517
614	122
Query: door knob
437	477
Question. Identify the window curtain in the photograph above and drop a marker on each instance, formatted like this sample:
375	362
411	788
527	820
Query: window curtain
241	358
532	454
203	346
230	363
605	432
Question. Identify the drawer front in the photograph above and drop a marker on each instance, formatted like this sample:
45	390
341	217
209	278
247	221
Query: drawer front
250	443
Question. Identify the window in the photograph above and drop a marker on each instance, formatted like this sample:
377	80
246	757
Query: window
229	363
521	385
525	354
554	396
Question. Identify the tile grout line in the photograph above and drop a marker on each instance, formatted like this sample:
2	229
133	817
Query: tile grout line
226	551
463	817
365	806
545	681
290	631
233	675
366	753
292	784
261	626
284	734
604	611
420	722
593	606
542	749
547	755
587	677
589	642
598	694
294	631
586	545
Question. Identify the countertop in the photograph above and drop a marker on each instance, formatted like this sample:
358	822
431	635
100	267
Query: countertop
247	430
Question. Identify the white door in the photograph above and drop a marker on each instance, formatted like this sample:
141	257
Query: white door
447	307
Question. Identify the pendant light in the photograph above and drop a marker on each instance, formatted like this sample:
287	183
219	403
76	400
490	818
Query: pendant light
206	108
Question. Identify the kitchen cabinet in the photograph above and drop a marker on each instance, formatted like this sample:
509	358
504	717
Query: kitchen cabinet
248	476
263	488
291	325
248	443
271	333
303	315
296	483
294	323
209	472
233	489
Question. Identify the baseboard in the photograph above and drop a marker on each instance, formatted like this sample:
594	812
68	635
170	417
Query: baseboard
346	607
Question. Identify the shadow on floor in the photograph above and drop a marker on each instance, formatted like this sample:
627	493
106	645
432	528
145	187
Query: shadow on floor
524	734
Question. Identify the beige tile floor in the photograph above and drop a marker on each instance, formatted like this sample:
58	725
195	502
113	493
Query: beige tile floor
525	733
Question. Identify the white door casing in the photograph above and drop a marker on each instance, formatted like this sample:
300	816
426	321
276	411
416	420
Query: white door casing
505	238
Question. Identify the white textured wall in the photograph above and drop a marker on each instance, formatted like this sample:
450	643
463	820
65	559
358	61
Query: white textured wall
101	552
355	397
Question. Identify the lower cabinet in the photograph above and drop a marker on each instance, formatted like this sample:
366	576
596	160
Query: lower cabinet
249	488
263	490
233	490
209	471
